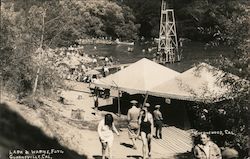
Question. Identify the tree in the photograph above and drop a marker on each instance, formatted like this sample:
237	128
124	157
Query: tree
23	35
30	26
147	14
233	29
104	18
209	20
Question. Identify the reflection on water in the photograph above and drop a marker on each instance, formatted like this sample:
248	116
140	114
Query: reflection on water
193	53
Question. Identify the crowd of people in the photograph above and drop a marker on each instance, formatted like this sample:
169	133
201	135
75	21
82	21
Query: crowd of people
141	124
73	63
102	40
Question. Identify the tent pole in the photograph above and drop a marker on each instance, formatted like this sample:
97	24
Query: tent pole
145	99
119	104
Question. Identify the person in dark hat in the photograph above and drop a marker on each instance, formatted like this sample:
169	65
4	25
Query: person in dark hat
146	128
158	121
133	125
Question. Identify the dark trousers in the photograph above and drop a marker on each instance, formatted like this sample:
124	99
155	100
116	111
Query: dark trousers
158	129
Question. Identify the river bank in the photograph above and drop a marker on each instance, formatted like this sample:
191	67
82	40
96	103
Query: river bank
55	120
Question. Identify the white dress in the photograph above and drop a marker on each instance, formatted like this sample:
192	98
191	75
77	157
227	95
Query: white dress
106	133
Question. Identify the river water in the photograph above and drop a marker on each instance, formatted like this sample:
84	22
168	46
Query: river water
192	53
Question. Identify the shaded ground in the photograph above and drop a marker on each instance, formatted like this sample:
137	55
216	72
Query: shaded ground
174	114
187	155
16	134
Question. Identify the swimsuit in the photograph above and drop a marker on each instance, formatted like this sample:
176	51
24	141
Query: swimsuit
145	127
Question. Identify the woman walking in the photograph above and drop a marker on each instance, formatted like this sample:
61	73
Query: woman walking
105	132
146	129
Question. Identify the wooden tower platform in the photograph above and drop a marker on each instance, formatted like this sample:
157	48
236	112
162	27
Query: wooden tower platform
168	43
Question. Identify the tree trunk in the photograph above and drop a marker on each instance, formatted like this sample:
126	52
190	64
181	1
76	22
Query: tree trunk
41	45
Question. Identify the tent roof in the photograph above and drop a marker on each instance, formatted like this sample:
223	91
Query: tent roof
200	83
139	77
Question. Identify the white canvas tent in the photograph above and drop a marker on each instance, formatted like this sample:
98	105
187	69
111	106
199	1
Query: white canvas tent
200	83
138	78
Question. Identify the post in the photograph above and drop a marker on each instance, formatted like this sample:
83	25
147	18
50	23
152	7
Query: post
145	99
1	87
119	104
36	80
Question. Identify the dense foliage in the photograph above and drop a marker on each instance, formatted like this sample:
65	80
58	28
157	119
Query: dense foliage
216	20
147	13
204	20
29	28
232	29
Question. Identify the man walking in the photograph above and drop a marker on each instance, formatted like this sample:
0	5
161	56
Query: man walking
133	125
158	122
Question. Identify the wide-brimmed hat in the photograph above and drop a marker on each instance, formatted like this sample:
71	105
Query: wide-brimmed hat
157	106
147	105
133	102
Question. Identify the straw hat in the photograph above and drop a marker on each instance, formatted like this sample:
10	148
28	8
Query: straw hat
157	106
133	102
147	105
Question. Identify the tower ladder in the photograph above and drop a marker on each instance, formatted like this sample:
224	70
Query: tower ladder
168	43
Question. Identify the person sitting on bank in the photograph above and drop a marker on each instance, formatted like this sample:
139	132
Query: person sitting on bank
158	122
133	125
206	149
106	70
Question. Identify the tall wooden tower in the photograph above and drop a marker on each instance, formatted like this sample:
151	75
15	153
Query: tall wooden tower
168	43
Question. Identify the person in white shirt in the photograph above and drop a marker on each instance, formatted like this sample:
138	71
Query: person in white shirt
105	131
106	70
206	149
133	125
